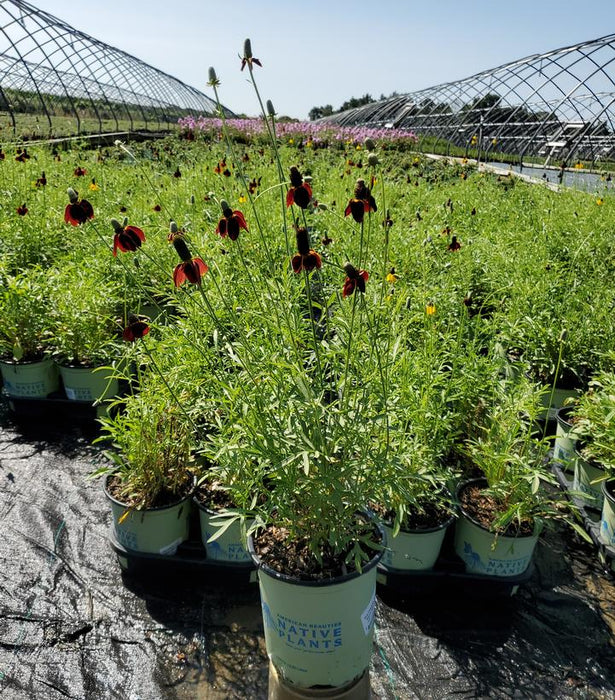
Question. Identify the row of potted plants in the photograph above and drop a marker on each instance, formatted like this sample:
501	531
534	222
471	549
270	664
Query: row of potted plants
345	357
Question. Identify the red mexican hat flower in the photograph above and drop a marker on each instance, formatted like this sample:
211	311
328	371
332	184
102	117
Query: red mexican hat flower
300	193
355	279
137	328
41	181
78	211
361	203
189	269
454	245
22	210
248	59
79	171
126	238
306	259
231	222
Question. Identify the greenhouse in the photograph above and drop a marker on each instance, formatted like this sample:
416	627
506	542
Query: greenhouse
57	80
299	409
557	107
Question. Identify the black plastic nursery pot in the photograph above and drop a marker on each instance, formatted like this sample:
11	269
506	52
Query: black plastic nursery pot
318	633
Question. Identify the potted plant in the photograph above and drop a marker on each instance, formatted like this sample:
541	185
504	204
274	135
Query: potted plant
27	369
85	331
149	480
503	511
595	465
419	509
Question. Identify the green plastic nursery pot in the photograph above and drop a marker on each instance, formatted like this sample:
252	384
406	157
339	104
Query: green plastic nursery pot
607	522
87	384
587	480
565	439
485	553
34	380
318	633
151	530
553	400
226	548
414	550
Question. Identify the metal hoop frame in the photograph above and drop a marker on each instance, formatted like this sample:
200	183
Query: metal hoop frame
558	107
53	71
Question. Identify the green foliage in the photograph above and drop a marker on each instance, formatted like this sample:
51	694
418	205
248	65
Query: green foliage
594	421
24	314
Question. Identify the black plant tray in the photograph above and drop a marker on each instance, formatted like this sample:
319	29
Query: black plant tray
590	518
449	576
55	407
190	560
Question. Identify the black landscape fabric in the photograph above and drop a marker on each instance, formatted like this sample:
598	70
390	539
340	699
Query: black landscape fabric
73	626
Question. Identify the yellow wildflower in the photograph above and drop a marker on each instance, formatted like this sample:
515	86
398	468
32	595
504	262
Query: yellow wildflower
392	277
600	201
430	309
242	198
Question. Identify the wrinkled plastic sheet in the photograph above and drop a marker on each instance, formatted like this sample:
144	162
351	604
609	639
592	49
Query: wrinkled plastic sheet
73	626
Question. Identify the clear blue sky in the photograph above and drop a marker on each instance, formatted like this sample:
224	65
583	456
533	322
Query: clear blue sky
323	52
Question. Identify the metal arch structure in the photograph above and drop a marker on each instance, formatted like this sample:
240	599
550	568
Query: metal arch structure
556	107
53	71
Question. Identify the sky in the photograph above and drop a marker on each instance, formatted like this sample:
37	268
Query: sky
324	52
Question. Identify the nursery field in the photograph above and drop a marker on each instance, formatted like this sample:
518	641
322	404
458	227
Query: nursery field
301	336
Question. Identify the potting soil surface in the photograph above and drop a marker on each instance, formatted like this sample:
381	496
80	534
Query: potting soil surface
73	626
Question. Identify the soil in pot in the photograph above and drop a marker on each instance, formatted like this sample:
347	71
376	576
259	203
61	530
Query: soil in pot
482	551
295	558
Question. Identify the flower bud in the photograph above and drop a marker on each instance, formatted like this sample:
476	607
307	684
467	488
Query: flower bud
213	78
224	205
303	241
192	199
372	160
351	271
173	227
247	49
270	109
117	227
369	144
72	195
182	249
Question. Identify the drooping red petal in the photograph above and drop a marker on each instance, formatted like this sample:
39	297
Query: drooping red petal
194	269
242	220
297	262
179	276
290	196
221	227
312	261
364	274
137	232
233	228
302	196
349	286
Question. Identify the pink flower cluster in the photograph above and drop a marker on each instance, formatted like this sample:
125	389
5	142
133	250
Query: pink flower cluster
299	131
